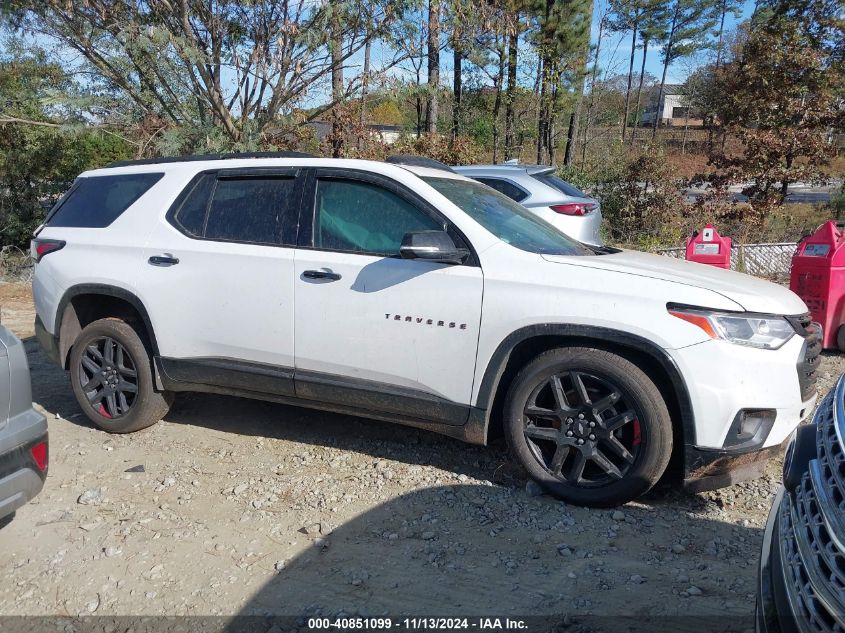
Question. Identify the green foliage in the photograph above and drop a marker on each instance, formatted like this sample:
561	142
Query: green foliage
837	202
461	151
641	199
40	158
779	99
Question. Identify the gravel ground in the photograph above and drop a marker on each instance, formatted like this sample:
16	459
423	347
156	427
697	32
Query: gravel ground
232	506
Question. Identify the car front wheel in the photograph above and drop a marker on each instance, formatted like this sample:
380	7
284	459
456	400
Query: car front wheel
589	426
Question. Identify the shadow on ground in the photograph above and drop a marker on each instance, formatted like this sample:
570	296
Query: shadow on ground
472	551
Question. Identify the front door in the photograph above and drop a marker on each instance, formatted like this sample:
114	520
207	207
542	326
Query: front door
375	331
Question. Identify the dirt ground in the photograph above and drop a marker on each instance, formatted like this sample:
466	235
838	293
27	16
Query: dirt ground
232	506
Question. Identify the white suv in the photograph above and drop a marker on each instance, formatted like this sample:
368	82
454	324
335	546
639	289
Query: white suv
411	294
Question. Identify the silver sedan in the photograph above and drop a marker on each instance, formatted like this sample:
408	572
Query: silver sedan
540	190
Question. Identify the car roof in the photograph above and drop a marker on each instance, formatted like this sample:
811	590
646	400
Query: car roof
506	168
195	164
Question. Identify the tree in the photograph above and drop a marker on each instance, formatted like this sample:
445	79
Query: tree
238	66
689	23
42	148
336	47
780	98
562	29
431	104
631	15
649	32
514	30
580	76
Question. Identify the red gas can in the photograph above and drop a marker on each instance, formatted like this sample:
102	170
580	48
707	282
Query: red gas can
708	247
818	277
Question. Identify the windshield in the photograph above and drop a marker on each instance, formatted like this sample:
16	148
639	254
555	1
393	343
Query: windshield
506	219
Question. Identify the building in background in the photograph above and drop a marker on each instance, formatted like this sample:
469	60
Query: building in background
673	108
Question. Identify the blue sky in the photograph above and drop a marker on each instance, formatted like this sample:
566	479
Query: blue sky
615	50
613	59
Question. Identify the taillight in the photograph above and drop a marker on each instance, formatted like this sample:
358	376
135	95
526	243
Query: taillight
574	208
40	248
39	454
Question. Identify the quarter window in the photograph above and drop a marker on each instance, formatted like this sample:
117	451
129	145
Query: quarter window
94	202
364	218
191	213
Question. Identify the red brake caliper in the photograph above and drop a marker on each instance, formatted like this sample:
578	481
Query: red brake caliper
637	438
102	411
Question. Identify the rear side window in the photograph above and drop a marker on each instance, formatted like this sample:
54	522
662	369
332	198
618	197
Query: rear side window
249	209
503	186
94	202
561	185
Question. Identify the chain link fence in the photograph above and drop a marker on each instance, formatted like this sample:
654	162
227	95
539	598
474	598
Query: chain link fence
762	260
15	264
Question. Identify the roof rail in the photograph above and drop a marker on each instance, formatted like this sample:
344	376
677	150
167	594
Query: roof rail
417	161
197	157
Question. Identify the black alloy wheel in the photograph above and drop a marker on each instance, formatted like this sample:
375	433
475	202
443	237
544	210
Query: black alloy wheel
581	429
108	377
588	425
111	372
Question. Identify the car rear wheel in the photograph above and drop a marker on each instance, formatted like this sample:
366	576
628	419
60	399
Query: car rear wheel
111	375
589	426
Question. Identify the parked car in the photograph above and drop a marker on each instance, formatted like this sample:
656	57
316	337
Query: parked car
416	295
23	431
802	567
537	188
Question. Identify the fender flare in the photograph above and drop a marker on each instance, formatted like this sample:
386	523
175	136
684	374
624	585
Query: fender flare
499	360
104	290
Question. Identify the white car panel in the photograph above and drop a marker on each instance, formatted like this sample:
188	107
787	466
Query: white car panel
239	298
350	326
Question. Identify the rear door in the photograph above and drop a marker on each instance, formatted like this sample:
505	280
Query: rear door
375	331
217	280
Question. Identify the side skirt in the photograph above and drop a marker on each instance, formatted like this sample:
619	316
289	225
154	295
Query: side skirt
324	392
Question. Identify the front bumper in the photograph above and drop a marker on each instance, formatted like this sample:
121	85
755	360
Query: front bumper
724	379
707	469
732	382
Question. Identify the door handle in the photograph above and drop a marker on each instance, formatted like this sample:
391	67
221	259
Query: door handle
321	274
163	260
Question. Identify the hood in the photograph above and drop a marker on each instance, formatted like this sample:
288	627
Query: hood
753	294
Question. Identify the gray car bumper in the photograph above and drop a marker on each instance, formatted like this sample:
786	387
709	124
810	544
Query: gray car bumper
21	478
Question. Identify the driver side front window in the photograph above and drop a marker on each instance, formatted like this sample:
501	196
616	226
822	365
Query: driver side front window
360	217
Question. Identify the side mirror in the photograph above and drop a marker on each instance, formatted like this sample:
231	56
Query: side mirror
432	246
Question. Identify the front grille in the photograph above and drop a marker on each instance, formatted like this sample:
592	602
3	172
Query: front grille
812	529
808	364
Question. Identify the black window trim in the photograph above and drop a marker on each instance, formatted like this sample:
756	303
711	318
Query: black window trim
78	181
287	239
507	180
308	214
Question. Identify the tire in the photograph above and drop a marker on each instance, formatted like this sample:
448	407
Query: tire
115	388
6	520
840	338
546	435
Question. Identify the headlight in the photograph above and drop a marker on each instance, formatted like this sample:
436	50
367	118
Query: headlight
762	331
